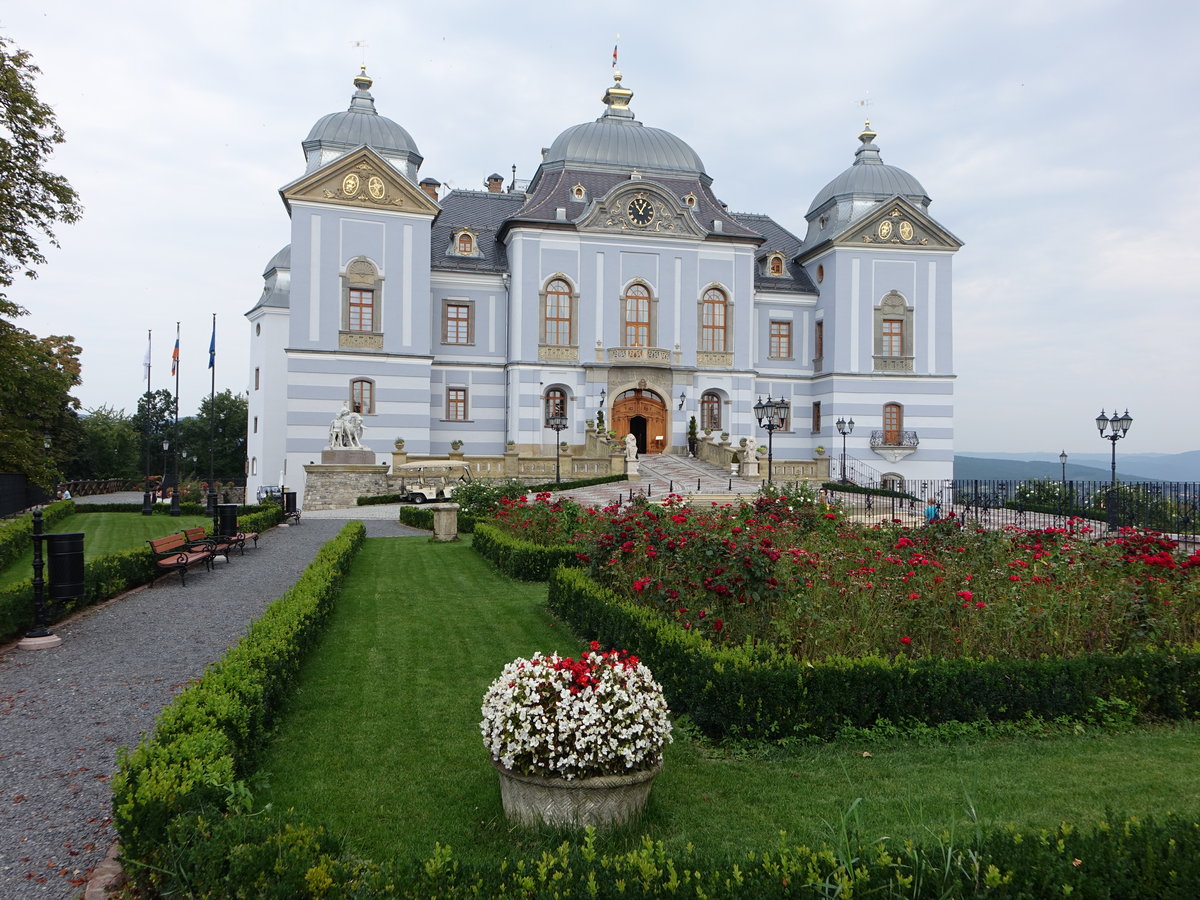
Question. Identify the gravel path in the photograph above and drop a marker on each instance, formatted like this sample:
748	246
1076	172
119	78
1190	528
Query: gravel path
64	711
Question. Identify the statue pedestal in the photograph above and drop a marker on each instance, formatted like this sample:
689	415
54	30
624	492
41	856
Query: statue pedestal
346	456
750	469
339	485
631	467
445	522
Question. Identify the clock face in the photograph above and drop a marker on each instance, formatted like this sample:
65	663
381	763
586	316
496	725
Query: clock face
885	230
640	211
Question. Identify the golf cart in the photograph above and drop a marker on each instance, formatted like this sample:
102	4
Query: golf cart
430	480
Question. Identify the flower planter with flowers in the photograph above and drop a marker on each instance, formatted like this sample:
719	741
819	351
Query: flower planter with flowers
575	742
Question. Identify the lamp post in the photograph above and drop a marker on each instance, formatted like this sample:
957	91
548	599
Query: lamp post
844	429
558	421
1062	458
175	489
162	487
1120	427
772	416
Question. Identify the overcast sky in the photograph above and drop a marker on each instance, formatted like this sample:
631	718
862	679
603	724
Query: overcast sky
1057	140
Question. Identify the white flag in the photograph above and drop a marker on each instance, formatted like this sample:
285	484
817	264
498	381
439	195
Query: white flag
146	361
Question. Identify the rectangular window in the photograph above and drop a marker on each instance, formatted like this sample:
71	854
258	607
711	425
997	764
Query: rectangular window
819	348
456	404
256	424
637	321
713	333
362	396
362	310
781	340
558	314
893	337
816	416
257	379
457	324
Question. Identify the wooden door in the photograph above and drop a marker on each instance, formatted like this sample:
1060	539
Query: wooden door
643	414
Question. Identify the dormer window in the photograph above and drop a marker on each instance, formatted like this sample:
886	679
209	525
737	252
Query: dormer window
690	200
579	192
775	264
463	242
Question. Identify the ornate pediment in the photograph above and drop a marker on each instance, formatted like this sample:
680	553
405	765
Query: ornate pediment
898	223
361	178
641	207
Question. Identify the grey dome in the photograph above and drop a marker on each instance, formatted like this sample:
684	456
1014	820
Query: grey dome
281	260
870	179
340	132
618	140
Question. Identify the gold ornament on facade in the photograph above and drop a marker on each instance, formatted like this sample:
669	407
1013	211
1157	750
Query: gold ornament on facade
906	230
350	185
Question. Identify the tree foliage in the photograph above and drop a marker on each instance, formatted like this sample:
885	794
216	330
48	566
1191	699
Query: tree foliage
36	408
221	423
32	199
109	446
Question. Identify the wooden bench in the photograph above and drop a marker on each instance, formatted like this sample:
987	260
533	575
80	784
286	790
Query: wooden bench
173	553
198	539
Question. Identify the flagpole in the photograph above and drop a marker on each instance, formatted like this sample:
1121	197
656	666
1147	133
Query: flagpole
175	430
147	505
212	426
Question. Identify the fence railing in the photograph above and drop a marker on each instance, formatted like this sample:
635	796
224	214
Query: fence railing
1169	507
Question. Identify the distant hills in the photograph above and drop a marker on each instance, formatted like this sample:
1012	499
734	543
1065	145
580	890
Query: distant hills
1080	466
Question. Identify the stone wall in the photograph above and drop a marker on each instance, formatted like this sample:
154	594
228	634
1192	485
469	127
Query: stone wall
340	486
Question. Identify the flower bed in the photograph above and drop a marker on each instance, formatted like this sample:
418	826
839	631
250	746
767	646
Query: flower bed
792	574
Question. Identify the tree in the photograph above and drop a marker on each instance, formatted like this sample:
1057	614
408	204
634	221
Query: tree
32	200
37	412
153	423
227	430
109	446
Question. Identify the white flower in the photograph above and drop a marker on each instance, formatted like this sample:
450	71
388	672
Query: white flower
601	715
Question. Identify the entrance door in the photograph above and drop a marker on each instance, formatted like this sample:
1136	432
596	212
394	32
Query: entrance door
643	414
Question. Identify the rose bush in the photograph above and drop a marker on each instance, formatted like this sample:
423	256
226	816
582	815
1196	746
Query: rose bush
603	714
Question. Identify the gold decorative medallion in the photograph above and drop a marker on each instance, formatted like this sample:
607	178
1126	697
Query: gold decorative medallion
350	185
884	230
376	188
906	230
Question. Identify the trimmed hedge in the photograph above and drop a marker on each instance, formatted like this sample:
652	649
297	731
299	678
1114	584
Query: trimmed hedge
759	693
275	854
206	740
16	533
517	558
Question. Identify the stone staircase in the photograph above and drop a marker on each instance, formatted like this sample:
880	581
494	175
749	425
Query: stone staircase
662	474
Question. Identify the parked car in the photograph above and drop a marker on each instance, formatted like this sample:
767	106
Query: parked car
269	492
431	479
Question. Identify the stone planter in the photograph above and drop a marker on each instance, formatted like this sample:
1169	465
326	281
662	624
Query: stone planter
578	802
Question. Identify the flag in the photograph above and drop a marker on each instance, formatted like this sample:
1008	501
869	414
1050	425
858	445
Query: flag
614	65
212	345
175	358
146	360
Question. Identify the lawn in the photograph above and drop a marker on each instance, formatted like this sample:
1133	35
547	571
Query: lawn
381	741
106	532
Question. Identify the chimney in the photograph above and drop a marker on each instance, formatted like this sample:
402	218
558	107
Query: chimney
495	183
430	187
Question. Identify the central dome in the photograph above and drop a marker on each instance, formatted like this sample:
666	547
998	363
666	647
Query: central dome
617	140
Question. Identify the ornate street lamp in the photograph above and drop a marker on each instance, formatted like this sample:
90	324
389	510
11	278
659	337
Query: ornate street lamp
1120	427
844	429
1062	458
558	421
163	484
772	416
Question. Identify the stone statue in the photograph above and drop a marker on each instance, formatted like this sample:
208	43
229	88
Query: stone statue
346	429
631	452
750	453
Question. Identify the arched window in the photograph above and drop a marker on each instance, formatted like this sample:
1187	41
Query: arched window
893	334
557	320
466	243
710	410
776	265
712	321
637	316
554	403
362	396
360	297
893	422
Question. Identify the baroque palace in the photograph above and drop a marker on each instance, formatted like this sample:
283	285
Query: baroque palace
614	281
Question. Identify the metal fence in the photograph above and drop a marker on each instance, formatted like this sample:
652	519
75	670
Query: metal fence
1168	507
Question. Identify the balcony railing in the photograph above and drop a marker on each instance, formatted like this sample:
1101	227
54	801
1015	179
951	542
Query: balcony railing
653	356
894	439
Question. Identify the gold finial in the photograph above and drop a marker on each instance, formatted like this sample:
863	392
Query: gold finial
867	134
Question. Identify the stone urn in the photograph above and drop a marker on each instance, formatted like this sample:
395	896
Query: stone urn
599	801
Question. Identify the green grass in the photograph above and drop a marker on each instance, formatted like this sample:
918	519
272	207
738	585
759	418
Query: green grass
105	532
381	741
